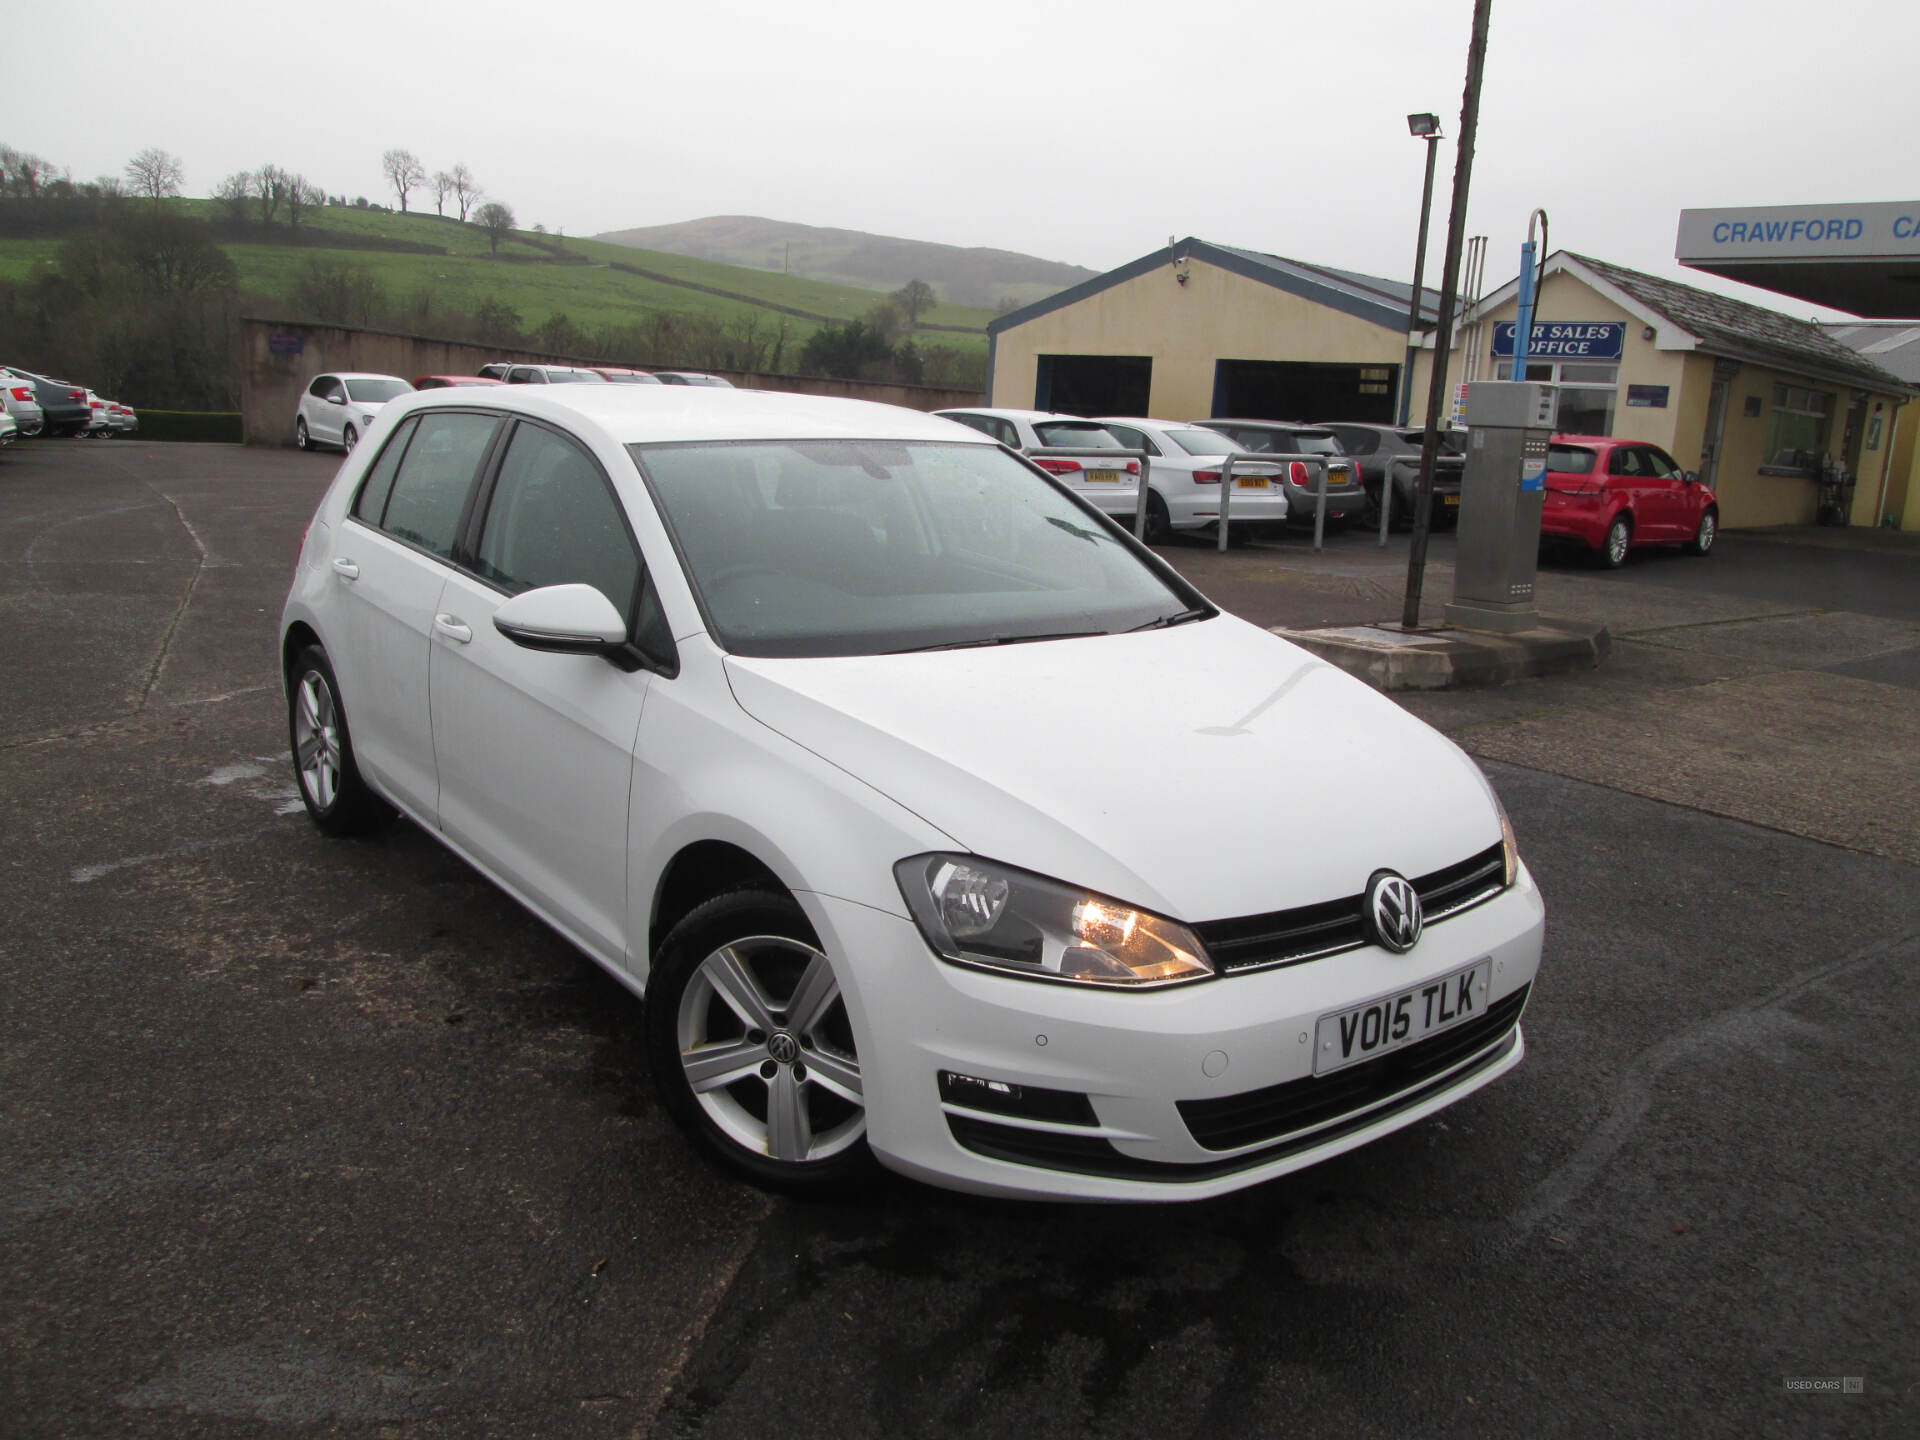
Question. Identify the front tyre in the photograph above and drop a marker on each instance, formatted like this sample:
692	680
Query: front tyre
1703	538
750	1044
337	799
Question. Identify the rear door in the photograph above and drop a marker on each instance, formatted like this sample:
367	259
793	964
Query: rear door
1630	475
391	563
535	749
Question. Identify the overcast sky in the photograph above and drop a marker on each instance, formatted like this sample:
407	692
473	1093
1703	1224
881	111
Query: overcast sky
1073	130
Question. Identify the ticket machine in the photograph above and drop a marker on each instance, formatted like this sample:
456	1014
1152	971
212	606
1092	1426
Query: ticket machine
1509	422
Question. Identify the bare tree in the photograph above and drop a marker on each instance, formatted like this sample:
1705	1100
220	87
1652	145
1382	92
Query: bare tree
404	173
466	190
916	297
270	188
108	187
155	174
442	184
301	195
497	219
236	193
23	174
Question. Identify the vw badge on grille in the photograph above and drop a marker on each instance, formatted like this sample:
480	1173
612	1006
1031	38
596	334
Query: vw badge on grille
1393	911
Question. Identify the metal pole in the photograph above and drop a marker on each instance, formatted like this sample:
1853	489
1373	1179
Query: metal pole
1226	490
1443	328
1320	508
1140	499
1386	502
1413	300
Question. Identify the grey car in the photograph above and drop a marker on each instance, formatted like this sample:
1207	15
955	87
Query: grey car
1305	452
1393	452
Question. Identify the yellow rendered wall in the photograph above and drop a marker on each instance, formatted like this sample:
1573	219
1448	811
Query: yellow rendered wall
1216	315
1902	500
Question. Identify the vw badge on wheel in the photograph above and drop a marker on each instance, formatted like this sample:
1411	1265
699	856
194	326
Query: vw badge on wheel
1393	911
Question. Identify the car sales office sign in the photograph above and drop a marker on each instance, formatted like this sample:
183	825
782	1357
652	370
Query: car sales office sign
1564	340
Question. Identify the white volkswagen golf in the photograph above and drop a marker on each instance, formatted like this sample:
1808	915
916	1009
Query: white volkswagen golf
936	820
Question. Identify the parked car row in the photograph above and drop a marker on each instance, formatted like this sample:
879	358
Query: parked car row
336	408
36	404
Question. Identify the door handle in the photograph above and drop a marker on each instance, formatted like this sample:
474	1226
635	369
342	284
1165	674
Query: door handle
346	569
452	628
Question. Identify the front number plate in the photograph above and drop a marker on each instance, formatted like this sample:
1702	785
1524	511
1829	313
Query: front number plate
1103	477
1383	1025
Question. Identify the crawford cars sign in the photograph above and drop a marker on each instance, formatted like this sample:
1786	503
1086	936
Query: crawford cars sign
1799	232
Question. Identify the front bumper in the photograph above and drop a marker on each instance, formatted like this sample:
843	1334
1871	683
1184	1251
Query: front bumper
1122	1084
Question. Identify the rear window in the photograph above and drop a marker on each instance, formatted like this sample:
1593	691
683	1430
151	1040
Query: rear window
377	392
1317	442
1080	435
1203	442
1571	459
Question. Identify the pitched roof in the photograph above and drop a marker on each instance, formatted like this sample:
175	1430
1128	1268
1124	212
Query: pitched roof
1743	331
1892	344
1367	297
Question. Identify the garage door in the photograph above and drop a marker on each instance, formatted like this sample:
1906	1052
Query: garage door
1094	384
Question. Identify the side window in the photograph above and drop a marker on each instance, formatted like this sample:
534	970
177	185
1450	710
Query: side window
371	503
982	423
320	385
553	520
1630	461
1003	431
1131	439
1662	464
1358	441
523	375
430	490
336	390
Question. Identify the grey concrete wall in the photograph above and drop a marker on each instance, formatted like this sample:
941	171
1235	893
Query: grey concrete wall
278	361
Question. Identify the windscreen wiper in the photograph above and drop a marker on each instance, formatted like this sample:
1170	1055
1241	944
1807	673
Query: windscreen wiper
1165	621
1001	640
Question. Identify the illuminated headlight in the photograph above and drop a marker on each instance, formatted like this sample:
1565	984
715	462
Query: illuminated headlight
974	912
1509	846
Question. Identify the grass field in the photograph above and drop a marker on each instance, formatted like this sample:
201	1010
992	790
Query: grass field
526	277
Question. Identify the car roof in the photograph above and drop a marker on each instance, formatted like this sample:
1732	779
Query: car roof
1157	424
1007	413
664	414
363	375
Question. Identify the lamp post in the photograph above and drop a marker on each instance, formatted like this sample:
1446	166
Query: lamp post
1427	128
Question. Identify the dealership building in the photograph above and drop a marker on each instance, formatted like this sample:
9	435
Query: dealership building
1756	400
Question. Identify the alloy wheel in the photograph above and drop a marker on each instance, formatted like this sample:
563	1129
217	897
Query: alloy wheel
767	1051
1617	539
316	740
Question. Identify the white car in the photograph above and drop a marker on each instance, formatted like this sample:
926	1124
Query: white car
19	399
338	407
1113	487
821	724
99	426
9	431
1188	463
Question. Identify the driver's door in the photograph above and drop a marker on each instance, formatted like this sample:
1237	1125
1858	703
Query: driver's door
535	749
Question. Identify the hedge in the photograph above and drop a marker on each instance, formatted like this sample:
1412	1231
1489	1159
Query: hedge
216	426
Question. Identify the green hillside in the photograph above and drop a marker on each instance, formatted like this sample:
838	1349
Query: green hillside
541	276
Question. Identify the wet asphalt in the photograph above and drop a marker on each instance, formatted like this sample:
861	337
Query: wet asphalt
310	1138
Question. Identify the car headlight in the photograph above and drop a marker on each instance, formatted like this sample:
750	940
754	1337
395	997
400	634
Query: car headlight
366	419
1509	846
974	912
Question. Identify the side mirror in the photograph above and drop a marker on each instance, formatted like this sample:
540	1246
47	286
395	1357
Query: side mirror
336	399
1692	477
566	619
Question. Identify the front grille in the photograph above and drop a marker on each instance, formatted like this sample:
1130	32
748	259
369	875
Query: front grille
1280	1110
1308	932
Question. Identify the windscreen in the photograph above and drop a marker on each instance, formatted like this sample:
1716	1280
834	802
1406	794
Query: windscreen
1204	442
864	547
377	392
1075	435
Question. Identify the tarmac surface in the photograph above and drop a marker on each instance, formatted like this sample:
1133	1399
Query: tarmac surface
301	1137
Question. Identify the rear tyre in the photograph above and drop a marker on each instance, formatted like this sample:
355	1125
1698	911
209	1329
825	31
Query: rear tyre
349	438
337	799
301	439
1159	523
1619	539
1704	537
751	1048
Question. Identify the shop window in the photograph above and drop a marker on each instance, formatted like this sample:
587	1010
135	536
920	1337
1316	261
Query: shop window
1797	429
1585	403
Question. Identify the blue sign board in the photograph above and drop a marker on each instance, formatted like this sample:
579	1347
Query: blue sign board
1649	397
1565	340
281	342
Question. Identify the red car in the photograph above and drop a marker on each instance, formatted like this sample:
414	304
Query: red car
1612	495
436	382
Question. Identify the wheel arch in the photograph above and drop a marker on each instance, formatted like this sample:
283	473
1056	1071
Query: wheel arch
299	636
697	873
